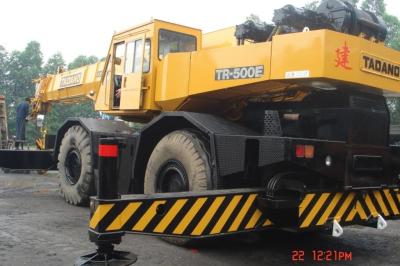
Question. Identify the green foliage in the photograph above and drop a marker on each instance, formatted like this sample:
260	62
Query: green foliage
3	69
256	19
53	63
393	36
20	69
82	61
312	5
354	2
375	6
60	112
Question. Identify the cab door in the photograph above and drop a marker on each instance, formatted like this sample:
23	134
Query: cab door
131	89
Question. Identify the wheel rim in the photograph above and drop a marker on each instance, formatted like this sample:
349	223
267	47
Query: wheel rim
73	166
172	177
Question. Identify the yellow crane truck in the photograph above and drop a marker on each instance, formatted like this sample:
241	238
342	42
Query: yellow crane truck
248	127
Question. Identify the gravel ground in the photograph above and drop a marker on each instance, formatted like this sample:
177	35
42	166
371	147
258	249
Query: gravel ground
38	228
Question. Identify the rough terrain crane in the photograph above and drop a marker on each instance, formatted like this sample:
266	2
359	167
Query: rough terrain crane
280	125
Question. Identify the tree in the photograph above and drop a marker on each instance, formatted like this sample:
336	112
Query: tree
254	18
393	35
82	61
53	63
3	69
313	5
22	68
354	2
377	7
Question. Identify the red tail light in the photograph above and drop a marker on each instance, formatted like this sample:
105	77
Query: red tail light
300	151
305	151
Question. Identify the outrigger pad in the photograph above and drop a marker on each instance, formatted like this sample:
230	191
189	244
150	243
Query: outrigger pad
116	258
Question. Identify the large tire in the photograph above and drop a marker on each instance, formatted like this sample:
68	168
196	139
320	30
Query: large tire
74	167
179	162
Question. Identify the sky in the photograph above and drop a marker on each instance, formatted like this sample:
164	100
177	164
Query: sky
85	27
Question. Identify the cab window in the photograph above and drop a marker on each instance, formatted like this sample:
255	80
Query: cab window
133	54
146	56
173	42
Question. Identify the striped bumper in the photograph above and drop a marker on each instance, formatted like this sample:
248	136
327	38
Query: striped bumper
181	214
220	212
358	207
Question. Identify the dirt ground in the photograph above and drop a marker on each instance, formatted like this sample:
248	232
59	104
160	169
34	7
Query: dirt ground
38	228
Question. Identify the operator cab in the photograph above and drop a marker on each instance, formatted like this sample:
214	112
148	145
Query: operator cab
136	54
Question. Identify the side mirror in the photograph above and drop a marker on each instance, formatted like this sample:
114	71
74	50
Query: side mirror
39	120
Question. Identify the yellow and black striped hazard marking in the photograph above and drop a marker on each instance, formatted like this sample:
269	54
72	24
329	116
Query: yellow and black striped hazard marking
316	209
194	216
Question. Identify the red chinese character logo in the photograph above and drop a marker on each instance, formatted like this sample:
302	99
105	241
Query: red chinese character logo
342	57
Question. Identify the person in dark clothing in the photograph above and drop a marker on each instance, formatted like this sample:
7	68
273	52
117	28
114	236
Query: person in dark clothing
22	117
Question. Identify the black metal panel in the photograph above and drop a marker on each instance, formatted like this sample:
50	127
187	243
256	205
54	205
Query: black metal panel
230	154
210	124
126	162
105	126
27	159
50	141
272	150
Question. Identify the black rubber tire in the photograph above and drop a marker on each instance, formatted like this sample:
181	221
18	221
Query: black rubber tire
191	152
79	192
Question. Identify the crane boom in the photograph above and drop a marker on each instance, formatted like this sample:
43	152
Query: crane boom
67	87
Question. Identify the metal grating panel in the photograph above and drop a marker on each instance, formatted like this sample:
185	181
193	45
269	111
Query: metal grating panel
272	124
272	150
230	154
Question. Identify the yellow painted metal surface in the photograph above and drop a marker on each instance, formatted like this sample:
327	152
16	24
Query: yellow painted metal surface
197	79
220	73
173	85
76	83
99	214
205	63
220	38
332	55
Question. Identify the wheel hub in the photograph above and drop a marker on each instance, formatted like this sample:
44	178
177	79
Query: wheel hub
172	177
73	166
